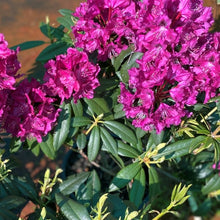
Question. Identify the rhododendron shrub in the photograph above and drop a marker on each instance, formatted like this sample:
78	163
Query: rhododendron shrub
132	89
71	75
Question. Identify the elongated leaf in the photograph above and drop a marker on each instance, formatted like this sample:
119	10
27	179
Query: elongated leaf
28	45
116	62
66	21
11	202
71	209
126	150
47	146
212	185
124	176
62	129
136	193
72	183
77	108
131	62
52	51
99	106
121	131
89	193
180	148
154	185
25	187
66	12
79	121
94	143
81	141
108	141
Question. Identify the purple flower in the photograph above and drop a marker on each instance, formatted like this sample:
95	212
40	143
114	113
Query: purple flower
29	112
9	66
71	75
181	60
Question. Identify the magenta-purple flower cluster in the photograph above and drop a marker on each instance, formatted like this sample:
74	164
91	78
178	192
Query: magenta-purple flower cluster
181	60
29	109
29	113
9	66
71	75
105	26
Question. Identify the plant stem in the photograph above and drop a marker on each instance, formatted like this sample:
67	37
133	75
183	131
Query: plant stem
164	212
96	164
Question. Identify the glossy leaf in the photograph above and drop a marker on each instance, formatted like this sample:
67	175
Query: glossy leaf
121	131
11	202
94	144
80	121
66	21
136	193
71	209
72	183
52	50
99	106
62	129
108	141
47	146
77	108
124	176
180	148
126	150
81	141
89	193
154	185
131	62
28	45
117	61
212	185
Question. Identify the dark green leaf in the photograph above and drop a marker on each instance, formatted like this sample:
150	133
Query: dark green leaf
47	146
11	202
212	185
108	141
99	106
131	62
124	176
15	144
126	150
138	188
89	193
79	121
154	186
81	141
117	61
77	108
28	45
71	209
121	131
52	51
94	143
180	148
72	183
25	187
62	129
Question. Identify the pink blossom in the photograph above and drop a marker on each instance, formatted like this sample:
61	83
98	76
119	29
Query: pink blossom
180	61
71	75
29	112
9	66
